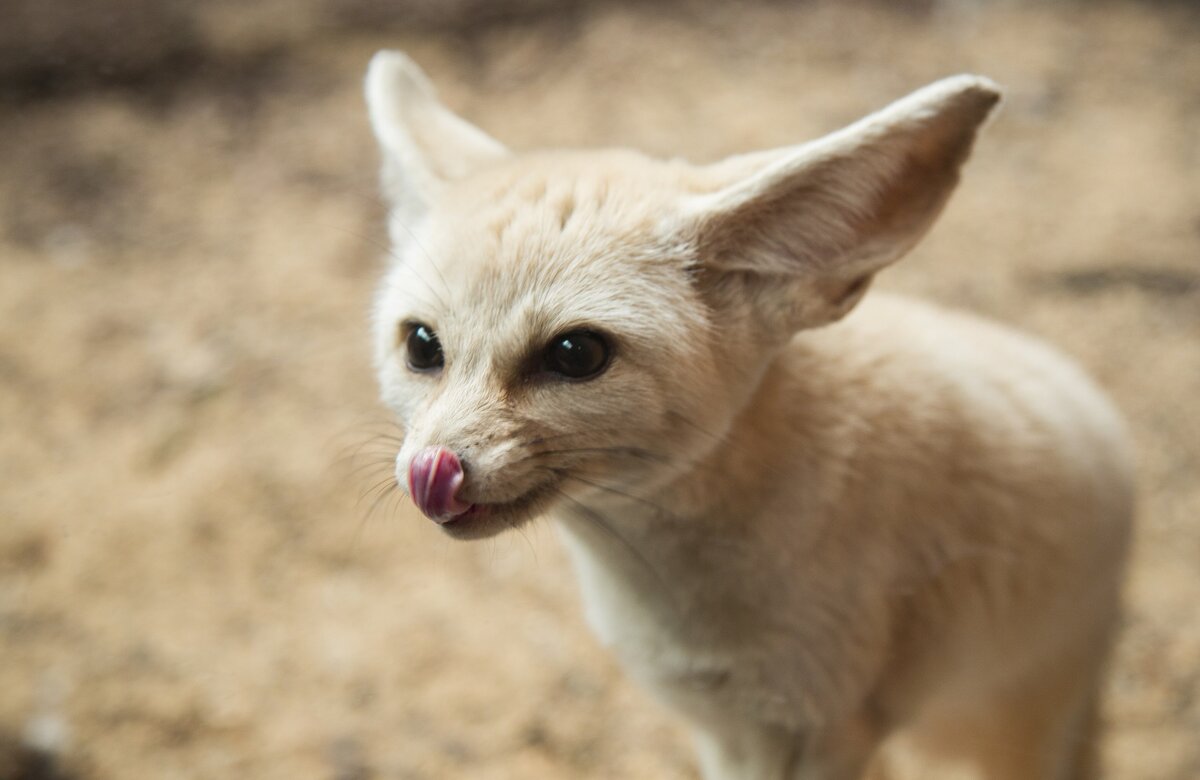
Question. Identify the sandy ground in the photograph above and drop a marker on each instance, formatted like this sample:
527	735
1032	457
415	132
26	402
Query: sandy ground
196	580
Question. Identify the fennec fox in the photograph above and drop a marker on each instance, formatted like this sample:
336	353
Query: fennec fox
806	532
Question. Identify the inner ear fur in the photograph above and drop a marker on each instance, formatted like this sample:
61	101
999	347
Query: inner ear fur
817	221
424	144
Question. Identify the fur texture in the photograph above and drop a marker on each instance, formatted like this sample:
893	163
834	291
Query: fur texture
807	534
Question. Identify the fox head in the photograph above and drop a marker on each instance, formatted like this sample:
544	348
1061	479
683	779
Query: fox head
557	326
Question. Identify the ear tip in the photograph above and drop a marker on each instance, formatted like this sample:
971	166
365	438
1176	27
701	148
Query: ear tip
387	63
391	59
391	70
979	92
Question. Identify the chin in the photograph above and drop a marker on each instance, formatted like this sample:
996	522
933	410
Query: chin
483	521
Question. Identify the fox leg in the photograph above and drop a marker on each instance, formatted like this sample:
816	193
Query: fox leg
758	752
1039	727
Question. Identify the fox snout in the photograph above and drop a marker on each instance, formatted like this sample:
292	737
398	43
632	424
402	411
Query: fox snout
435	475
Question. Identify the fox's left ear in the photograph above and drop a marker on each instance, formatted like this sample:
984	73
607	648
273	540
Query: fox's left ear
424	144
803	229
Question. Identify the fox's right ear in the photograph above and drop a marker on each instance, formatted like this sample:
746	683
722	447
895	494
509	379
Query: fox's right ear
424	144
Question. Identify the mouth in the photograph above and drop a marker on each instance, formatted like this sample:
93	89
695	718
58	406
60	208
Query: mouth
484	520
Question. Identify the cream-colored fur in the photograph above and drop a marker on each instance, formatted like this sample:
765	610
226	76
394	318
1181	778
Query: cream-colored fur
806	534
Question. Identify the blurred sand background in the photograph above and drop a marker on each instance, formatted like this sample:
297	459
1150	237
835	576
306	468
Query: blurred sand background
195	579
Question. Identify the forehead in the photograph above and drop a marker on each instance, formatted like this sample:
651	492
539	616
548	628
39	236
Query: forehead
564	241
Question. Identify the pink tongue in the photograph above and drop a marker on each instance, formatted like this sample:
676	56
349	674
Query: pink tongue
434	476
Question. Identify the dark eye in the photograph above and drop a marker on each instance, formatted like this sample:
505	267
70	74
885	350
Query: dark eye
424	349
579	354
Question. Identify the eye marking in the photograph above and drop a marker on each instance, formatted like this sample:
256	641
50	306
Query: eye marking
423	348
577	355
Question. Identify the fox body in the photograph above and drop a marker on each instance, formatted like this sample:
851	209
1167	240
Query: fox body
804	531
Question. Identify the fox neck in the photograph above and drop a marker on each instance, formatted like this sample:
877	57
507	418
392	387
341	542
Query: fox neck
701	543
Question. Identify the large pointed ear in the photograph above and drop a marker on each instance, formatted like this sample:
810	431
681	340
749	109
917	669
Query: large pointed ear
816	222
424	144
